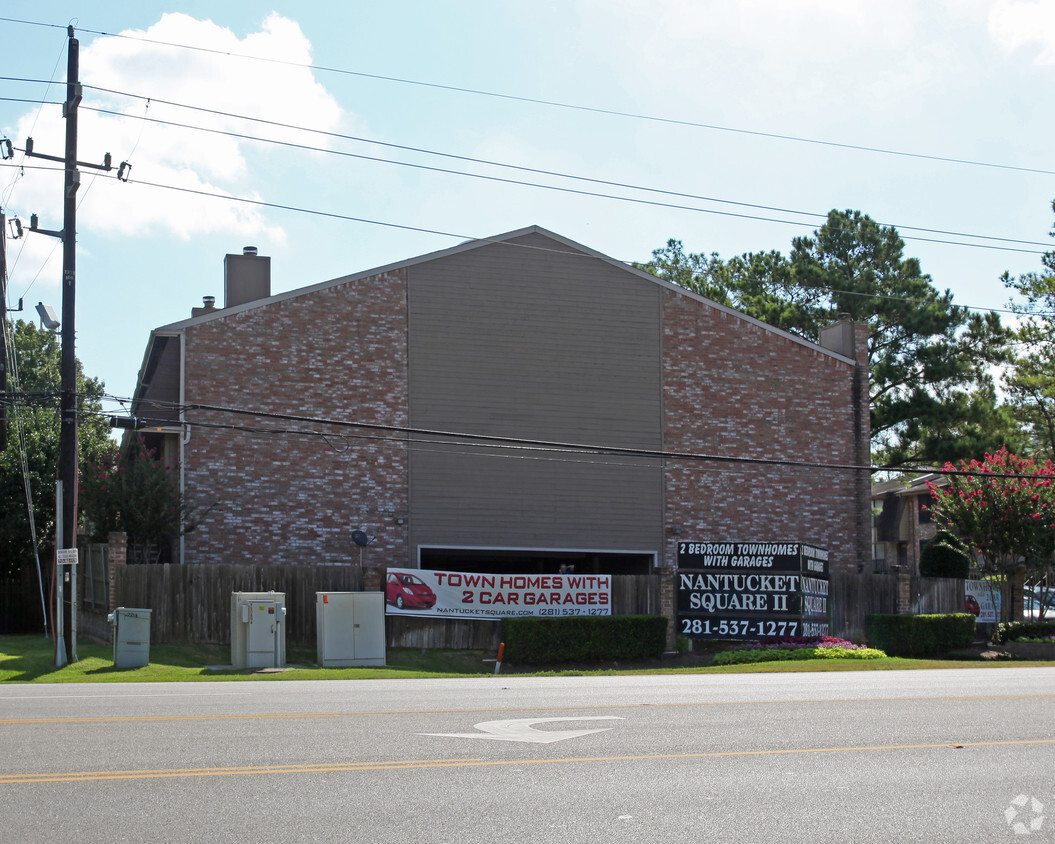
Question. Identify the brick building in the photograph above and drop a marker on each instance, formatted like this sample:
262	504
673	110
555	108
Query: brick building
434	405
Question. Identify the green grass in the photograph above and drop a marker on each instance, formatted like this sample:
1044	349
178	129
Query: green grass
30	659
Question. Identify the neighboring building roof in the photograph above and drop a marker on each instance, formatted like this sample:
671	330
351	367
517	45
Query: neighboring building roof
917	485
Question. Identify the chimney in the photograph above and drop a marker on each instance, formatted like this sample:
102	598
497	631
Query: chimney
208	306
840	337
246	277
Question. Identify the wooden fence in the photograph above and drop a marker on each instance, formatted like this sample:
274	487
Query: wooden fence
853	596
193	603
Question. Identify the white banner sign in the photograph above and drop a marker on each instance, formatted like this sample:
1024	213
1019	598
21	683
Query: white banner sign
983	600
457	594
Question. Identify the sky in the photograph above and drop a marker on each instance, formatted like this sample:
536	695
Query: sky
755	117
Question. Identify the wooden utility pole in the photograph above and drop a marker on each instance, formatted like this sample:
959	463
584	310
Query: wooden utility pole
68	440
3	332
68	364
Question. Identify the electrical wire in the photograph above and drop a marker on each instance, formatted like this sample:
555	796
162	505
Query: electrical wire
487	162
575	254
537	171
466	237
554	103
410	435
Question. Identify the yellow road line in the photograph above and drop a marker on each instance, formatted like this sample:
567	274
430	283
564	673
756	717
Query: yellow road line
396	765
584	707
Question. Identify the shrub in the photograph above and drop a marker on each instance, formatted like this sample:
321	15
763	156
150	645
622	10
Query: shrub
1010	631
762	653
542	641
919	635
941	560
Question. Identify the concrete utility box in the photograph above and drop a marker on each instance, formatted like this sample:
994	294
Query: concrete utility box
258	629
350	628
131	637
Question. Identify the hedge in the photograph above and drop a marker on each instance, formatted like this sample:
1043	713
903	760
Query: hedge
1009	631
784	654
591	638
919	635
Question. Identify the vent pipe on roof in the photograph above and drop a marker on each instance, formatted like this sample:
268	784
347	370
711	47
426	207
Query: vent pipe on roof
248	250
208	306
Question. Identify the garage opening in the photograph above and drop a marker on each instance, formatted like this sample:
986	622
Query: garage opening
502	561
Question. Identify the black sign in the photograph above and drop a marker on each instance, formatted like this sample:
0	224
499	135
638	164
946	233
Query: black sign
751	590
764	556
741	627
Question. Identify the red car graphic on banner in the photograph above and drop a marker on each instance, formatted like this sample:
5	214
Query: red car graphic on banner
408	591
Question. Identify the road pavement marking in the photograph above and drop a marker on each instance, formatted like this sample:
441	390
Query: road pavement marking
16	698
520	729
94	776
88	719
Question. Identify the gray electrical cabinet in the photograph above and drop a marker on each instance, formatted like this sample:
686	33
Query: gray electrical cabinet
131	637
258	629
351	628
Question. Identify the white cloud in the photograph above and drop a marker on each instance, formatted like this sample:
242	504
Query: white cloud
816	57
1017	23
143	63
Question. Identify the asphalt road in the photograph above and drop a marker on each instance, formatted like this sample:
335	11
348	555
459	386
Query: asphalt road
959	755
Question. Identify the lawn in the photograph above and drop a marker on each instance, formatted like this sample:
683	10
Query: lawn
30	659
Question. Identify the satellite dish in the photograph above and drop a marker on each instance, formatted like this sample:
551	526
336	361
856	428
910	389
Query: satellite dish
360	538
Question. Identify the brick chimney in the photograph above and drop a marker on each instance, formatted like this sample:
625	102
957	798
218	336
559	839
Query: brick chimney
849	338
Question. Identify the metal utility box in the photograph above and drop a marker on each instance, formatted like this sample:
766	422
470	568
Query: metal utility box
351	628
258	629
131	637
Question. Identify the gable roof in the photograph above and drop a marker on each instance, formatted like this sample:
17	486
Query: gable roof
469	245
569	245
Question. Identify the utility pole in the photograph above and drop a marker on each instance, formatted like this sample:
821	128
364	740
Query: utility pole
64	576
68	363
68	442
3	332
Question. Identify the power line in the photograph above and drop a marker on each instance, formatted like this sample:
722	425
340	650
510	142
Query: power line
539	171
460	236
557	104
521	168
408	435
563	105
487	162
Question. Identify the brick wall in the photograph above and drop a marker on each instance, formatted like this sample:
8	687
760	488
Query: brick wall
292	492
287	491
733	388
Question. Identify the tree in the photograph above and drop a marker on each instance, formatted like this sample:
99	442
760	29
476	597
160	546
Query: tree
932	397
1030	380
138	495
1002	509
33	410
944	558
